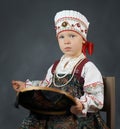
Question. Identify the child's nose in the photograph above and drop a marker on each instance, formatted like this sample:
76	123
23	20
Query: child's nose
66	41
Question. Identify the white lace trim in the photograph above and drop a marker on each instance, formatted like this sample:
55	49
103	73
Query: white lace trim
71	62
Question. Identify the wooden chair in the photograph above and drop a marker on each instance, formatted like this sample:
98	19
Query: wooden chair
109	101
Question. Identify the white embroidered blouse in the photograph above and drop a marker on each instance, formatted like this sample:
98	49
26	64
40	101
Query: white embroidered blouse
93	83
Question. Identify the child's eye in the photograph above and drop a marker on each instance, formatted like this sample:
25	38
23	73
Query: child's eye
72	36
61	37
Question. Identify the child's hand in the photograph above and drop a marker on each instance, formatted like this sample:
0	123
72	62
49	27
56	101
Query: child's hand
77	109
18	85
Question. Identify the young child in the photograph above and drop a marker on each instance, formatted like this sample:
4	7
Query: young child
87	87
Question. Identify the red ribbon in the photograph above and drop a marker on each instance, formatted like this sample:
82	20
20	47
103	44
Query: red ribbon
88	46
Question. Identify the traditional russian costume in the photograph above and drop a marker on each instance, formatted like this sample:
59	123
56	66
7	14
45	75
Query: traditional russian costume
81	80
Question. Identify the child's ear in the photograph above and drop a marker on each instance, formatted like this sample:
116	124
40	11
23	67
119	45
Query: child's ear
84	41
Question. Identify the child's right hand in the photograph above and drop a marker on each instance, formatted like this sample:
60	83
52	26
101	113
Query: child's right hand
18	85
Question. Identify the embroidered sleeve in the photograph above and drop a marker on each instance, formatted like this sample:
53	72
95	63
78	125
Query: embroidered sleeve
46	82
93	97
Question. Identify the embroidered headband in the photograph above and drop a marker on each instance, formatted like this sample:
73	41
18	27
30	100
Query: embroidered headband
71	20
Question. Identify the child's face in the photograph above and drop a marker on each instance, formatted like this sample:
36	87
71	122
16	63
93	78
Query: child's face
70	43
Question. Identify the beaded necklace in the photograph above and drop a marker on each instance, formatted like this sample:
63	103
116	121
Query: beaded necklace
60	77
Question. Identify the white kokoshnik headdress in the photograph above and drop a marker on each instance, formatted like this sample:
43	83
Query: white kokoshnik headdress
71	20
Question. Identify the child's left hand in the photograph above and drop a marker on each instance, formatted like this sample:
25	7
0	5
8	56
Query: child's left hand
77	109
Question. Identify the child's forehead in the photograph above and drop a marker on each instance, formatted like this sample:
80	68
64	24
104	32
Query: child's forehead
69	32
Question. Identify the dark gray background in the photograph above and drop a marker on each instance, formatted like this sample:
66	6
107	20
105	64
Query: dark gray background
28	45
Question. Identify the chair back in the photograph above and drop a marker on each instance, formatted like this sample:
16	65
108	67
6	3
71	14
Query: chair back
109	101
